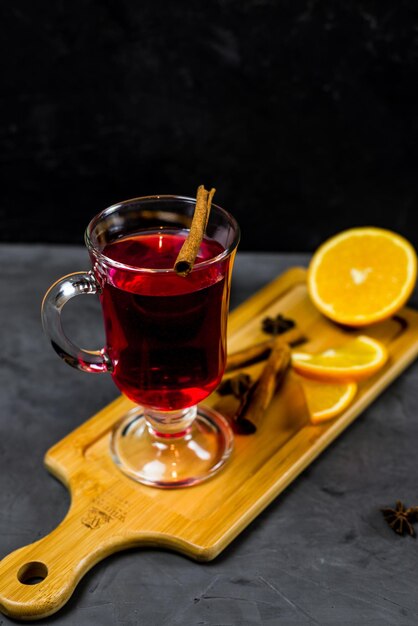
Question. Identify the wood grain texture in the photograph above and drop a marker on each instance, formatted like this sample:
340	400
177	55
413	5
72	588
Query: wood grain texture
110	512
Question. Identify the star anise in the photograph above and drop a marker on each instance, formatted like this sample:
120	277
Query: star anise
237	386
400	519
277	325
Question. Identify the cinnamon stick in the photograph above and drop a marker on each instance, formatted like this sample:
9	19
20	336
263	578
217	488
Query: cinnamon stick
274	370
190	248
260	351
248	356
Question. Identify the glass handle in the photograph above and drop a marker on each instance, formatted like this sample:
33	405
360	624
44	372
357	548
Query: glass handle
95	361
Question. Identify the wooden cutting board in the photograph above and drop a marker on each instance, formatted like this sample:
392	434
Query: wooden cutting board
110	512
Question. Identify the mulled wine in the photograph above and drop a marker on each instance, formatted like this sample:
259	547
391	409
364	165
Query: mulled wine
165	333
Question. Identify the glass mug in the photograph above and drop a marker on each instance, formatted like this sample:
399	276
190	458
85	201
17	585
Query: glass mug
165	334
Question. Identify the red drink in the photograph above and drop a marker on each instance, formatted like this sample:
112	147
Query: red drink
165	333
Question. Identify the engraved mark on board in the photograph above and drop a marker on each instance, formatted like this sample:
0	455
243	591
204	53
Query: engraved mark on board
94	518
106	507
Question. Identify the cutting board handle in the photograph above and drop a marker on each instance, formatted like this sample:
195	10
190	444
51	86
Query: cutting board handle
38	579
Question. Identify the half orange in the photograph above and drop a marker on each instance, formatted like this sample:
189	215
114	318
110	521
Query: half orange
356	360
362	275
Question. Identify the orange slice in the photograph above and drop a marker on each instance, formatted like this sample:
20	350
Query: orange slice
362	275
327	400
356	360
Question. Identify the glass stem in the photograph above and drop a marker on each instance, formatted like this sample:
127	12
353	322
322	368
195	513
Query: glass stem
171	424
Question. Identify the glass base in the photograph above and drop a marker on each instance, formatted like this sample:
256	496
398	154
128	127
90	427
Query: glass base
171	459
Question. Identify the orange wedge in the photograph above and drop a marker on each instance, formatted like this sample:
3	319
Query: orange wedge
362	275
327	400
356	360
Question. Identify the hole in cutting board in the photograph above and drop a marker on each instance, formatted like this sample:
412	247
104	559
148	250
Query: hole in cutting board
32	573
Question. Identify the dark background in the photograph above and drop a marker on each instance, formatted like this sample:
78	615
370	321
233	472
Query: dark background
304	115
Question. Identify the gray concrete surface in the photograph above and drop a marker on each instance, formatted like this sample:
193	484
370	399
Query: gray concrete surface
320	554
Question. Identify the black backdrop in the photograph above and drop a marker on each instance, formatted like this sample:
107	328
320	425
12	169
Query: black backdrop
303	114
